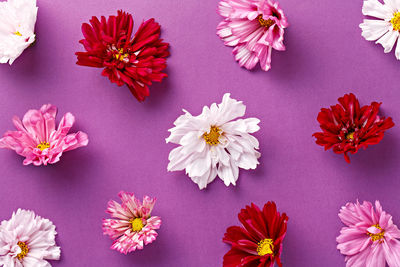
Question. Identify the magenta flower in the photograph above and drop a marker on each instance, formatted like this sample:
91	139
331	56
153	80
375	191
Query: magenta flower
37	138
134	226
253	27
370	238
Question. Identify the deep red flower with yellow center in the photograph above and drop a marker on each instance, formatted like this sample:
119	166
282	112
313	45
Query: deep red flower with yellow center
347	127
259	241
136	62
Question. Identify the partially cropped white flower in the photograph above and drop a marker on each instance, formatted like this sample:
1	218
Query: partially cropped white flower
385	29
214	143
17	28
27	240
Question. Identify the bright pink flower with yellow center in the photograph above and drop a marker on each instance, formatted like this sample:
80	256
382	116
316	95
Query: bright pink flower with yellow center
370	238
37	138
133	226
253	28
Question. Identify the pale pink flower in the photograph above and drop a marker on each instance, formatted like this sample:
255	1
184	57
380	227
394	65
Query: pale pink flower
133	226
383	24
37	138
370	238
27	240
253	27
218	142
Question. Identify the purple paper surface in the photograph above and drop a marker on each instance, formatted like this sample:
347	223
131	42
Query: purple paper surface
326	57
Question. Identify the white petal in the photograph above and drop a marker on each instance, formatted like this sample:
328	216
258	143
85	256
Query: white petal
230	109
248	161
200	165
16	16
189	137
388	40
249	125
392	4
374	29
397	52
376	9
208	177
229	174
177	160
222	156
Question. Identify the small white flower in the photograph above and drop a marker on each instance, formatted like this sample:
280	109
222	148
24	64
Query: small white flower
214	143
17	26
27	240
385	29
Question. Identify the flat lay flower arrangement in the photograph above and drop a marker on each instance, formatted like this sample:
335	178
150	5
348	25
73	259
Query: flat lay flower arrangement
223	133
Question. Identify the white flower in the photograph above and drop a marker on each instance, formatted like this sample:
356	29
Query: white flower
213	143
27	240
385	29
17	26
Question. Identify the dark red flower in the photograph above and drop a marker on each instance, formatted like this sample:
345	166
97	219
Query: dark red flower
136	62
347	127
259	242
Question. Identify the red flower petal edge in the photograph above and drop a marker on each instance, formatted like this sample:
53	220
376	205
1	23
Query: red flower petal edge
258	242
136	62
347	127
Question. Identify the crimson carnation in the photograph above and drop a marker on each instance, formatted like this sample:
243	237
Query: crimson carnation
136	62
259	241
347	127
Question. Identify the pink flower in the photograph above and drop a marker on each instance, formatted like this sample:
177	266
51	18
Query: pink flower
253	27
27	240
370	238
133	226
37	139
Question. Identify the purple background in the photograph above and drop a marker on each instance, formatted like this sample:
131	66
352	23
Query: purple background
325	58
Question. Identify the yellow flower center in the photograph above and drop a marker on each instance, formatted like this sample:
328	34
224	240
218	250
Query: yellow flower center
18	33
350	136
24	250
121	55
266	23
378	236
213	136
265	246
137	224
43	145
396	21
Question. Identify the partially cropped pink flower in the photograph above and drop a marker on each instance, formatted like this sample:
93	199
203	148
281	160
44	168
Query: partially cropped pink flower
37	138
253	28
133	226
27	240
370	238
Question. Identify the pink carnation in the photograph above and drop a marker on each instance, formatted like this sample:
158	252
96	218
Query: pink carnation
370	238
253	27
133	226
37	138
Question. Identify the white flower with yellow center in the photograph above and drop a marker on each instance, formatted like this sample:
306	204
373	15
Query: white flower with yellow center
27	240
385	29
214	143
17	26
